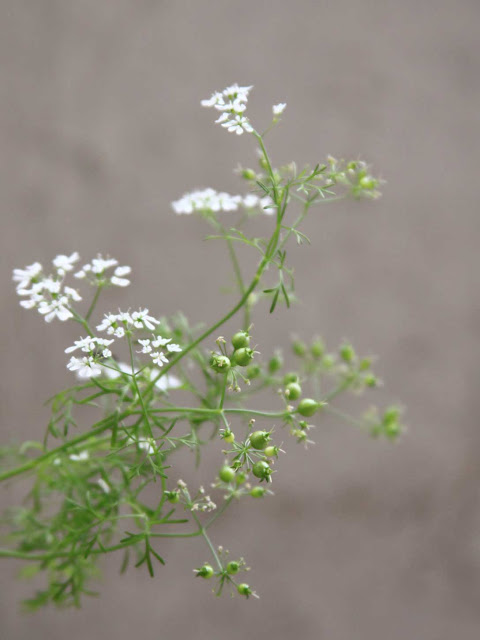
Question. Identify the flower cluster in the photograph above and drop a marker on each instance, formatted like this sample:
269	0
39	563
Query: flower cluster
209	200
152	348
115	324
95	272
232	102
88	366
47	293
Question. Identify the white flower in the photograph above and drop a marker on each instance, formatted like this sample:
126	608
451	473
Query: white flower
237	93
117	278
99	264
174	348
141	320
79	457
279	108
86	367
64	263
103	485
267	205
166	382
238	125
73	294
232	101
47	293
160	342
95	270
146	346
250	201
110	324
55	309
85	344
215	99
206	200
159	358
145	444
25	276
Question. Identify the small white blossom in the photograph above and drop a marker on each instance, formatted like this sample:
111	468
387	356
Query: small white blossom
232	102
79	457
279	108
85	367
206	200
103	485
111	324
47	293
159	358
26	276
118	279
238	125
141	320
146	346
95	272
166	382
64	263
174	348
55	309
160	342
145	444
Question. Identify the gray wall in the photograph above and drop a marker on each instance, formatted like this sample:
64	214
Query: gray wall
101	129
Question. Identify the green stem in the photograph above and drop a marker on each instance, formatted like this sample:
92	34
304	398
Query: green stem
102	426
135	384
93	304
205	536
41	557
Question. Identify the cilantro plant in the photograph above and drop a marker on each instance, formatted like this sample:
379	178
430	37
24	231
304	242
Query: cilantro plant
159	385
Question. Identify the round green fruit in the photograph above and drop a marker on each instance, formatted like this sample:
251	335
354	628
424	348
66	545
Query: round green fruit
226	474
220	363
293	391
242	357
308	407
240	339
261	470
259	439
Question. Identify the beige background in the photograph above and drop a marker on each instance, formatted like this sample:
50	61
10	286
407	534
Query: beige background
101	128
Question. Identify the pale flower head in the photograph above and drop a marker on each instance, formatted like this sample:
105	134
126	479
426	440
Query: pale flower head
279	108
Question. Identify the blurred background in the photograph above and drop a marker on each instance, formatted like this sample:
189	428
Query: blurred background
101	129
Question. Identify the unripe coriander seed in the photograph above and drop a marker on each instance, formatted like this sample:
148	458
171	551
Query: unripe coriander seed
205	572
259	439
293	391
275	363
226	473
308	407
244	590
299	348
290	377
220	363
258	492
233	567
261	470
240	339
242	357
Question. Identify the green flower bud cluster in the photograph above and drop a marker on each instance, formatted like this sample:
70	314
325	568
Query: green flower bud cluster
388	426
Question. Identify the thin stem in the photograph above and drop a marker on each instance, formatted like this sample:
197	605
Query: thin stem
205	536
93	303
41	557
135	384
103	425
345	416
